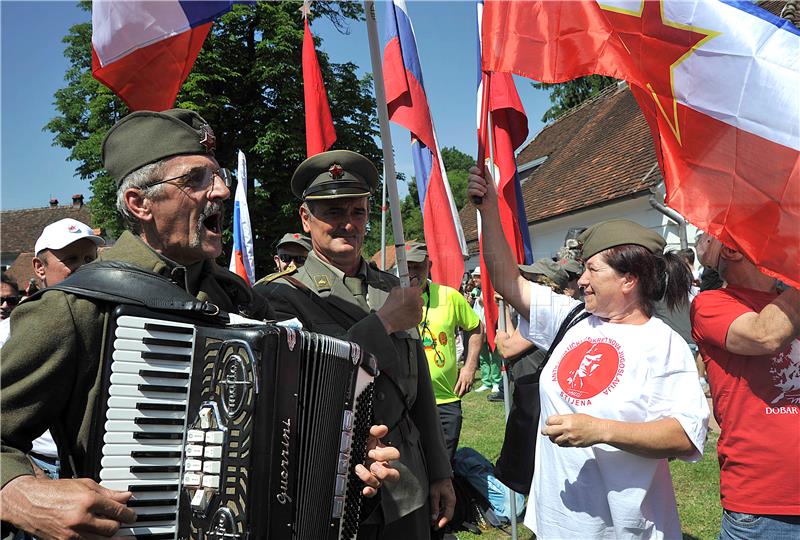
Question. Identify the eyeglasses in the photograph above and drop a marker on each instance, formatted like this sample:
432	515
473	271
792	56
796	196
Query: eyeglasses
10	300
199	179
297	259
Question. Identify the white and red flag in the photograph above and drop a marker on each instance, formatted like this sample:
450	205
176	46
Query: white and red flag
717	82
144	50
408	106
320	133
242	258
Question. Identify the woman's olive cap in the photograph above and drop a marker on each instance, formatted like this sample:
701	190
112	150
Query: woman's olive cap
146	137
334	175
618	232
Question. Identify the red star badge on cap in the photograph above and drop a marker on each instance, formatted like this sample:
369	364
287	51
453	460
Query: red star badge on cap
209	141
336	171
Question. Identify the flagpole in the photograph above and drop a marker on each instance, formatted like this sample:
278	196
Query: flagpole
501	308
383	223
390	176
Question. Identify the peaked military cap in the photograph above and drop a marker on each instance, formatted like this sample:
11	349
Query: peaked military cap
571	266
145	137
295	238
334	175
618	232
416	252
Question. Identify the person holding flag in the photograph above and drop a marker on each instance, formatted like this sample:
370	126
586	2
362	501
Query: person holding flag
619	393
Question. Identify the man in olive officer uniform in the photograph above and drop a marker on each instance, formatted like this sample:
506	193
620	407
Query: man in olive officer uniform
337	293
170	190
290	253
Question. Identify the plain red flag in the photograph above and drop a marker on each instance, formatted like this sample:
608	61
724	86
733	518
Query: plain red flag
320	133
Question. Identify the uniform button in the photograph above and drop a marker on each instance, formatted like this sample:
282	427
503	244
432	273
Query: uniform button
380	396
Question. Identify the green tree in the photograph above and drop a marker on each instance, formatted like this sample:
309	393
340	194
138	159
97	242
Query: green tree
567	95
247	82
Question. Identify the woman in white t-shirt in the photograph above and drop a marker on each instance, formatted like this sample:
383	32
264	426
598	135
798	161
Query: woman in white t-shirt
619	394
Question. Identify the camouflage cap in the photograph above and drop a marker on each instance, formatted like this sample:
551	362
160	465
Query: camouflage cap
571	266
334	174
145	137
548	268
295	238
618	232
416	252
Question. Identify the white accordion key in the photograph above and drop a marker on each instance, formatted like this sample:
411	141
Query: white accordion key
206	414
215	437
195	435
213	452
211	467
200	500
194	450
191	479
211	481
193	465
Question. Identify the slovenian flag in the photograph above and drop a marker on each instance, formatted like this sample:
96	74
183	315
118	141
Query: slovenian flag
242	262
717	82
509	129
408	106
144	50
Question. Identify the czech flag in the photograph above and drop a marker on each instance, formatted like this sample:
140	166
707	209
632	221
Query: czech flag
144	50
717	82
408	106
242	259
509	129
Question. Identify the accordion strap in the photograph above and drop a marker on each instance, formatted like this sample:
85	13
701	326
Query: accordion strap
123	283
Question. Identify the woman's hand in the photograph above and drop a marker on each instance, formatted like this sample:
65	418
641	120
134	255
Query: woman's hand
575	430
481	187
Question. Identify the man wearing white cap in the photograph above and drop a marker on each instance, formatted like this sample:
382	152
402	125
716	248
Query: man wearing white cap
63	247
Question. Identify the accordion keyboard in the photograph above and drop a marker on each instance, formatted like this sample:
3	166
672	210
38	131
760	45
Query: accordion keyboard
145	420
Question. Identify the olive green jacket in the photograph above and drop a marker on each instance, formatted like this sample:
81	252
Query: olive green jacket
51	364
404	397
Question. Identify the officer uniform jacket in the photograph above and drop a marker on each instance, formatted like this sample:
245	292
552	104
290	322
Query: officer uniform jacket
404	398
51	368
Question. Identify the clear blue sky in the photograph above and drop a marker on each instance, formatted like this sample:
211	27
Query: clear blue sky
33	67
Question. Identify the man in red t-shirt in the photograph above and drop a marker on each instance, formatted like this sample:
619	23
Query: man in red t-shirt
748	337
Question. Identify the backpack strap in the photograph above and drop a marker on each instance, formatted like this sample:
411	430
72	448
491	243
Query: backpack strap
576	315
122	283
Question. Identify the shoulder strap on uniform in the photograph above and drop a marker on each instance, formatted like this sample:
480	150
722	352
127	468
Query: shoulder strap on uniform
123	283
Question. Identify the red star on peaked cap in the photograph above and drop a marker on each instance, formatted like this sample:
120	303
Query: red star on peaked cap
334	174
656	46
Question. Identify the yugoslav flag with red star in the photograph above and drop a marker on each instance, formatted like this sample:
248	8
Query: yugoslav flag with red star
717	82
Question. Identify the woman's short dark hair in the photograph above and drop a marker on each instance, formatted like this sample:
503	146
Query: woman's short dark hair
664	276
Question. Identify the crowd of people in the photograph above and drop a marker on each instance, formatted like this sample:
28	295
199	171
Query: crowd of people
620	392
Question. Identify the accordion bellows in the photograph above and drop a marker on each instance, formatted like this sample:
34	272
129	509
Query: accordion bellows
234	432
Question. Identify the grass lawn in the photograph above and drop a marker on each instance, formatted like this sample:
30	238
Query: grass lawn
696	484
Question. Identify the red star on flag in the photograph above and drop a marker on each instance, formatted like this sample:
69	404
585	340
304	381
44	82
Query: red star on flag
656	47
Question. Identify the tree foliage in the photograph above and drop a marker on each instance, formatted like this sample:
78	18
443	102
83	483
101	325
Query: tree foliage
247	83
567	95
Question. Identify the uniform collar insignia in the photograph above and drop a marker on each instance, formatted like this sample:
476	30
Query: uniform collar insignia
322	282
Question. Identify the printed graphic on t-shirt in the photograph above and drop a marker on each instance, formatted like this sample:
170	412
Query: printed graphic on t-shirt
590	367
785	371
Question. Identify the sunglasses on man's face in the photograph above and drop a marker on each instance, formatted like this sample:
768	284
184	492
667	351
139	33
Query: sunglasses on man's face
298	259
10	300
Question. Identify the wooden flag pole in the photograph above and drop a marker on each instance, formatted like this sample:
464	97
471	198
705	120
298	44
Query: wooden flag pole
390	178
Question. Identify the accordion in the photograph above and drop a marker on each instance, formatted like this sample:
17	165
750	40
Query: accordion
232	432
